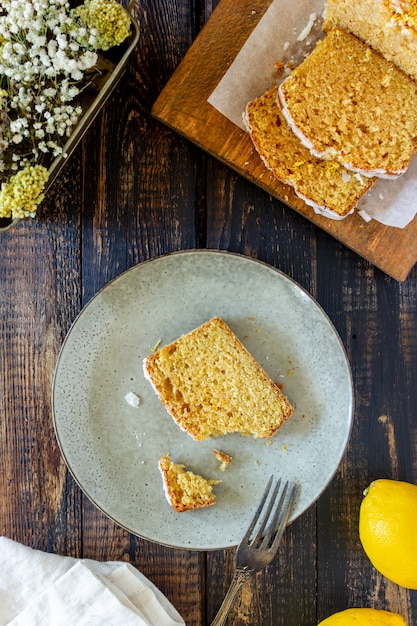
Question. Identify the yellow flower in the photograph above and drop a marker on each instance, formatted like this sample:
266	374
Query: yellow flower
109	19
22	194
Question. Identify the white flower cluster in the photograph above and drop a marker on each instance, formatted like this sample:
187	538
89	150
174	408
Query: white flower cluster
41	69
47	53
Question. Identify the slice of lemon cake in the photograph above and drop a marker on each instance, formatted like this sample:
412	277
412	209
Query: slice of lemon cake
184	490
211	385
346	102
389	26
325	185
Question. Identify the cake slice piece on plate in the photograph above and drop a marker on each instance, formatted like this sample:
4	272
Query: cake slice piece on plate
184	490
346	102
325	185
211	385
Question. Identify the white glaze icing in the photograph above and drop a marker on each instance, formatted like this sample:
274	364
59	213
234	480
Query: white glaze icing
322	210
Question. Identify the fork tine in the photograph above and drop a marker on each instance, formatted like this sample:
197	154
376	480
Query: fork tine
285	515
258	511
272	523
264	521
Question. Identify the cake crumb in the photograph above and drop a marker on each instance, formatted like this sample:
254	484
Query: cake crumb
279	68
225	459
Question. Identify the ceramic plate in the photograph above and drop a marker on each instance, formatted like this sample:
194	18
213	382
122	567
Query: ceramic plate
112	449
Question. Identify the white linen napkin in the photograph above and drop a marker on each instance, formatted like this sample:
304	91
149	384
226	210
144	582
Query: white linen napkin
41	589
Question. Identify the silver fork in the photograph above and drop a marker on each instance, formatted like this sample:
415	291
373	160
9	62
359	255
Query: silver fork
255	553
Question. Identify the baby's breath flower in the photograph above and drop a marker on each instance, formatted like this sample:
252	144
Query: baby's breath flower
46	50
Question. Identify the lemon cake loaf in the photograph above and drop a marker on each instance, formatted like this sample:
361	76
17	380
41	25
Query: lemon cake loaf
324	185
211	385
184	490
389	26
346	102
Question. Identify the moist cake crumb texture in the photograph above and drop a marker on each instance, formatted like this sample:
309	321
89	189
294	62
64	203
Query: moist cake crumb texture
185	491
347	102
326	185
211	385
389	26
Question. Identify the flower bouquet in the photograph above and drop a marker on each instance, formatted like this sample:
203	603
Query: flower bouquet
56	71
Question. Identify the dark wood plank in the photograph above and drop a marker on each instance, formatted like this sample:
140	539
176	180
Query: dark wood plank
242	218
329	570
133	190
39	504
381	349
139	202
284	593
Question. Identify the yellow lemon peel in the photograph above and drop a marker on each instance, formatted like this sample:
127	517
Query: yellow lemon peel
363	617
387	529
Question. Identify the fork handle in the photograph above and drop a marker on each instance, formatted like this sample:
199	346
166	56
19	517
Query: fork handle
239	578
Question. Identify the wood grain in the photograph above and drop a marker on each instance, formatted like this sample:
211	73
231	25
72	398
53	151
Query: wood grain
135	189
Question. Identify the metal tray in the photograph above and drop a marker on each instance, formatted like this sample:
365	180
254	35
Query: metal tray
112	65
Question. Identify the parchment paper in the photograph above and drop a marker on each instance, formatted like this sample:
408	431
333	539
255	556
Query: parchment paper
286	33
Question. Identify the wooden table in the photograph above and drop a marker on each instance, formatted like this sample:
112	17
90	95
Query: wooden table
134	190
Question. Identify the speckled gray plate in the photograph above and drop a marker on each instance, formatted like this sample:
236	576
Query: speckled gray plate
112	449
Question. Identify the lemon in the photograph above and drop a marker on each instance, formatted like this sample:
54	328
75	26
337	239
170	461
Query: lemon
364	617
387	529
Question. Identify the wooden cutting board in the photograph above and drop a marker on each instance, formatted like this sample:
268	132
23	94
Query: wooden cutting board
183	106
